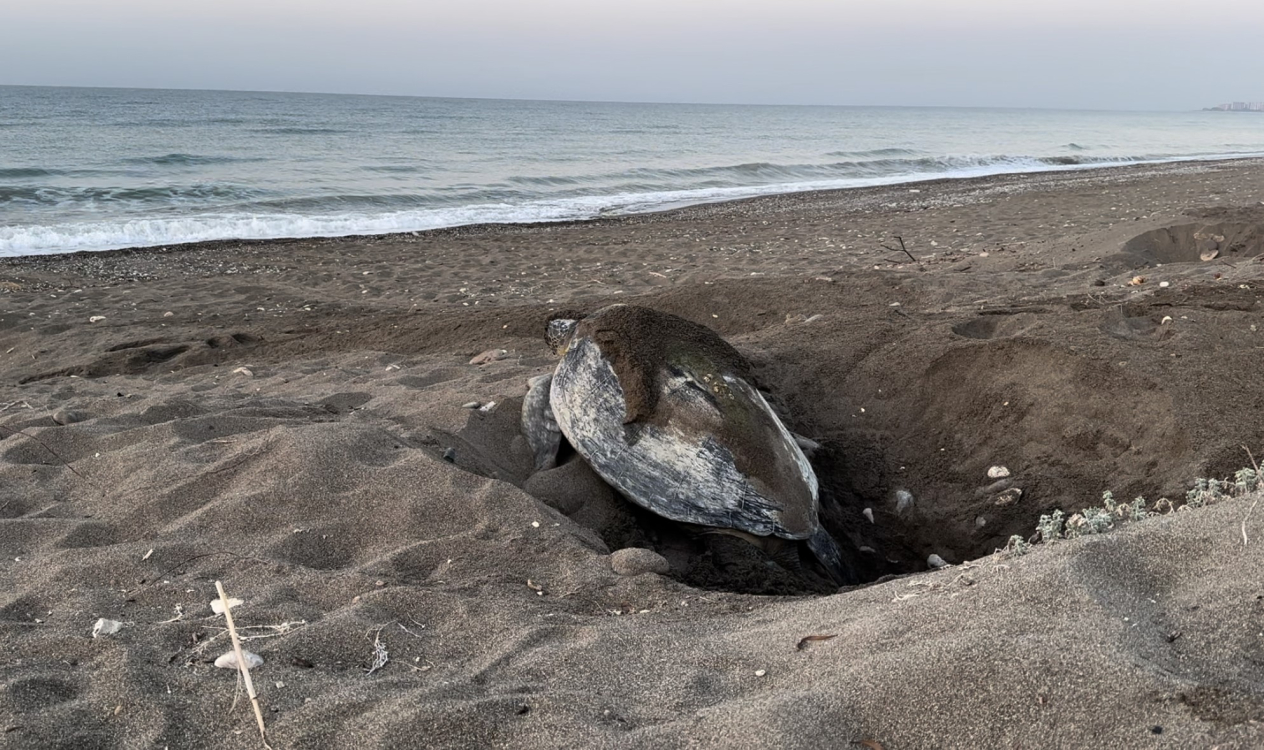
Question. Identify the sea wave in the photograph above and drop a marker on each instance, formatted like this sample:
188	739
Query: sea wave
188	160
544	181
27	173
108	235
18	173
393	168
874	152
346	203
300	131
262	217
887	166
72	197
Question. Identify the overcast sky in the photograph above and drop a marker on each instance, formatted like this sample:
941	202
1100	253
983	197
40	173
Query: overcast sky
1101	54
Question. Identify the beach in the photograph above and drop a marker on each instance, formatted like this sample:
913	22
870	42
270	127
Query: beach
301	420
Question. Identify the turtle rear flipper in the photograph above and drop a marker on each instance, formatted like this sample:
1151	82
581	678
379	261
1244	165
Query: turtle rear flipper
539	426
830	556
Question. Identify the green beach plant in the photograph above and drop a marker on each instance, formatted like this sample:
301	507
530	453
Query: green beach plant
1017	546
1098	520
1050	527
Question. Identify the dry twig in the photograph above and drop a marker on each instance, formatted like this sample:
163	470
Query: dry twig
902	249
241	662
44	445
1249	511
380	655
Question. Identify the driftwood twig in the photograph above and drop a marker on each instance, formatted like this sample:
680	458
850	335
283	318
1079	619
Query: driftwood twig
902	248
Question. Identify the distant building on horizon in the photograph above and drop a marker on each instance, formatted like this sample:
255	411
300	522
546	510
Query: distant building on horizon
1238	107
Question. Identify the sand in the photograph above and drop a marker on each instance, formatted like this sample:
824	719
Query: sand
275	415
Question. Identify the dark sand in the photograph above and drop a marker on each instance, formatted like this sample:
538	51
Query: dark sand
272	415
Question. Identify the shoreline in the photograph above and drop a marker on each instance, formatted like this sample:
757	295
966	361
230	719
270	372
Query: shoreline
1055	175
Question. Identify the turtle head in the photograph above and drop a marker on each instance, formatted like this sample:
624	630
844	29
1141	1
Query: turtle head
559	330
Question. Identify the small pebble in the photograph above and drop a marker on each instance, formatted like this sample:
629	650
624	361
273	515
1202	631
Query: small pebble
760	672
1008	497
637	560
491	355
229	660
217	605
995	487
66	416
1165	284
106	627
936	562
869	514
998	472
449	455
903	501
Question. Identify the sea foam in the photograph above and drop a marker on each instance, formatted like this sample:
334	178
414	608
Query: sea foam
112	234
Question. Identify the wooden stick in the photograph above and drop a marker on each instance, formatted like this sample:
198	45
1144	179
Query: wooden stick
241	661
903	249
1249	511
1253	463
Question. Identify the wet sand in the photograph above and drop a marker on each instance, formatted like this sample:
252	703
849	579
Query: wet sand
274	415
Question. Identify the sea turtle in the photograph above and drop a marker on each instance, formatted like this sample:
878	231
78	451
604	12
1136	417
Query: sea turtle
663	410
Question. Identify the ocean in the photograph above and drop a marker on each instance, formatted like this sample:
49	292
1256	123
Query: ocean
96	169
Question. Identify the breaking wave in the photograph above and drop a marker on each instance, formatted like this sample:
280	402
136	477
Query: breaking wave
347	215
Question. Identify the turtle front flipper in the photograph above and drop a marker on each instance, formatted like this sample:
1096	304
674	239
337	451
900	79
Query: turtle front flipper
830	556
538	423
807	445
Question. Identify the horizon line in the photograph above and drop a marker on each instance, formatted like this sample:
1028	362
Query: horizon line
599	101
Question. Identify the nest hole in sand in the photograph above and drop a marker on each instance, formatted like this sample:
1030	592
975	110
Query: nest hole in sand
1067	426
491	445
1199	242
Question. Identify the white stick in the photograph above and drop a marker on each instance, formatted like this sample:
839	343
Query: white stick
1244	520
241	661
1257	488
